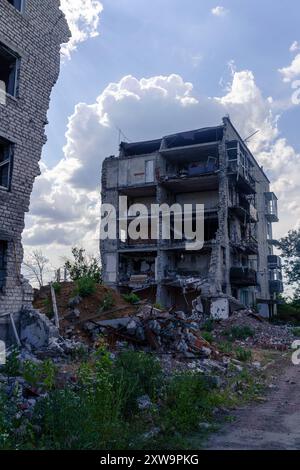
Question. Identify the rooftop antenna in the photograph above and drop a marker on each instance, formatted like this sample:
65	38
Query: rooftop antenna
252	135
121	134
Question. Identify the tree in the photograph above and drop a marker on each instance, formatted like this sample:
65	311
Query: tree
289	247
36	266
83	266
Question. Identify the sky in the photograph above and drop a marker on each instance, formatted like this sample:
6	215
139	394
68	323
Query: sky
154	68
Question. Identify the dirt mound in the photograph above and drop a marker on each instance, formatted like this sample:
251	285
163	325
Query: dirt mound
74	311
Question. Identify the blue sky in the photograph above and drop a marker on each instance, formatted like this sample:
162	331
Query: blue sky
161	37
147	39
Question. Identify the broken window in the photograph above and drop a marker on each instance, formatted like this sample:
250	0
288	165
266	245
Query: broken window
18	4
6	156
3	261
9	63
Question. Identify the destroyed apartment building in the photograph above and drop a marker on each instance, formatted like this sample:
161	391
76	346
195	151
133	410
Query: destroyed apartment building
31	34
237	266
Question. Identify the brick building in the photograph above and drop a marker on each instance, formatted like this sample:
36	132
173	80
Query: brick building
31	34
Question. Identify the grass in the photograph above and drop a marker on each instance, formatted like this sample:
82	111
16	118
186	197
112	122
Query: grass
100	409
132	298
239	333
243	355
85	286
108	302
207	336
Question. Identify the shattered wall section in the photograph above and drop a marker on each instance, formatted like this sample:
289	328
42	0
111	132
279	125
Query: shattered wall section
35	37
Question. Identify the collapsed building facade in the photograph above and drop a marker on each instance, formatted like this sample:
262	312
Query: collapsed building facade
31	34
210	166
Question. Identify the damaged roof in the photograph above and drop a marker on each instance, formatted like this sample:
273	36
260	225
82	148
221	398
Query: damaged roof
180	139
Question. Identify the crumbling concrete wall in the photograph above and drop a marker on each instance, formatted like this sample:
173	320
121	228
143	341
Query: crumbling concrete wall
35	35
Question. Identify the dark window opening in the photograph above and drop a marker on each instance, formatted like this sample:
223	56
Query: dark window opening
9	62
3	263
18	4
6	157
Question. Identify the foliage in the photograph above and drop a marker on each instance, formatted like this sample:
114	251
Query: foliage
289	311
225	347
243	355
13	365
42	374
131	298
85	286
57	287
208	325
290	251
47	304
239	333
108	302
207	336
83	266
296	331
188	401
159	306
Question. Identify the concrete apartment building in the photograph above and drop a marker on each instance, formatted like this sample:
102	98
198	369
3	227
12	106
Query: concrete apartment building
31	34
210	166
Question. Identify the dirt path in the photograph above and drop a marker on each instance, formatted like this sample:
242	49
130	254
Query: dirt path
273	424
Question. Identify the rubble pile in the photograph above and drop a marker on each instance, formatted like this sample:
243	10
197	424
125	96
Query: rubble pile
265	334
161	331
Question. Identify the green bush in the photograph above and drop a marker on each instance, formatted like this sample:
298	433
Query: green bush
108	302
243	355
239	333
131	298
207	336
12	368
225	347
83	266
296	331
209	325
289	312
85	286
43	374
57	287
187	402
141	373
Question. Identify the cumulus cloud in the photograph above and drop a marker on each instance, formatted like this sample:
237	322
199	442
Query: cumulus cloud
65	204
219	11
83	17
295	46
292	71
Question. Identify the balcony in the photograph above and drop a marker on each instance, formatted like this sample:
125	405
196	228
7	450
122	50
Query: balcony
244	209
274	262
271	210
242	177
248	245
240	276
276	287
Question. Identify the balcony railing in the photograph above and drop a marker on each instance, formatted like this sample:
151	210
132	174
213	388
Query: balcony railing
244	179
274	262
241	276
271	209
276	287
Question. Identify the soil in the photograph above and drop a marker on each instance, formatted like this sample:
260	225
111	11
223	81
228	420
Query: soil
89	307
271	425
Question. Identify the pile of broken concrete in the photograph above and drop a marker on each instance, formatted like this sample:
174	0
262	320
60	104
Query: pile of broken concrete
161	331
265	335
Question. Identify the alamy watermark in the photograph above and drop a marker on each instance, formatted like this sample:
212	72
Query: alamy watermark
159	222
